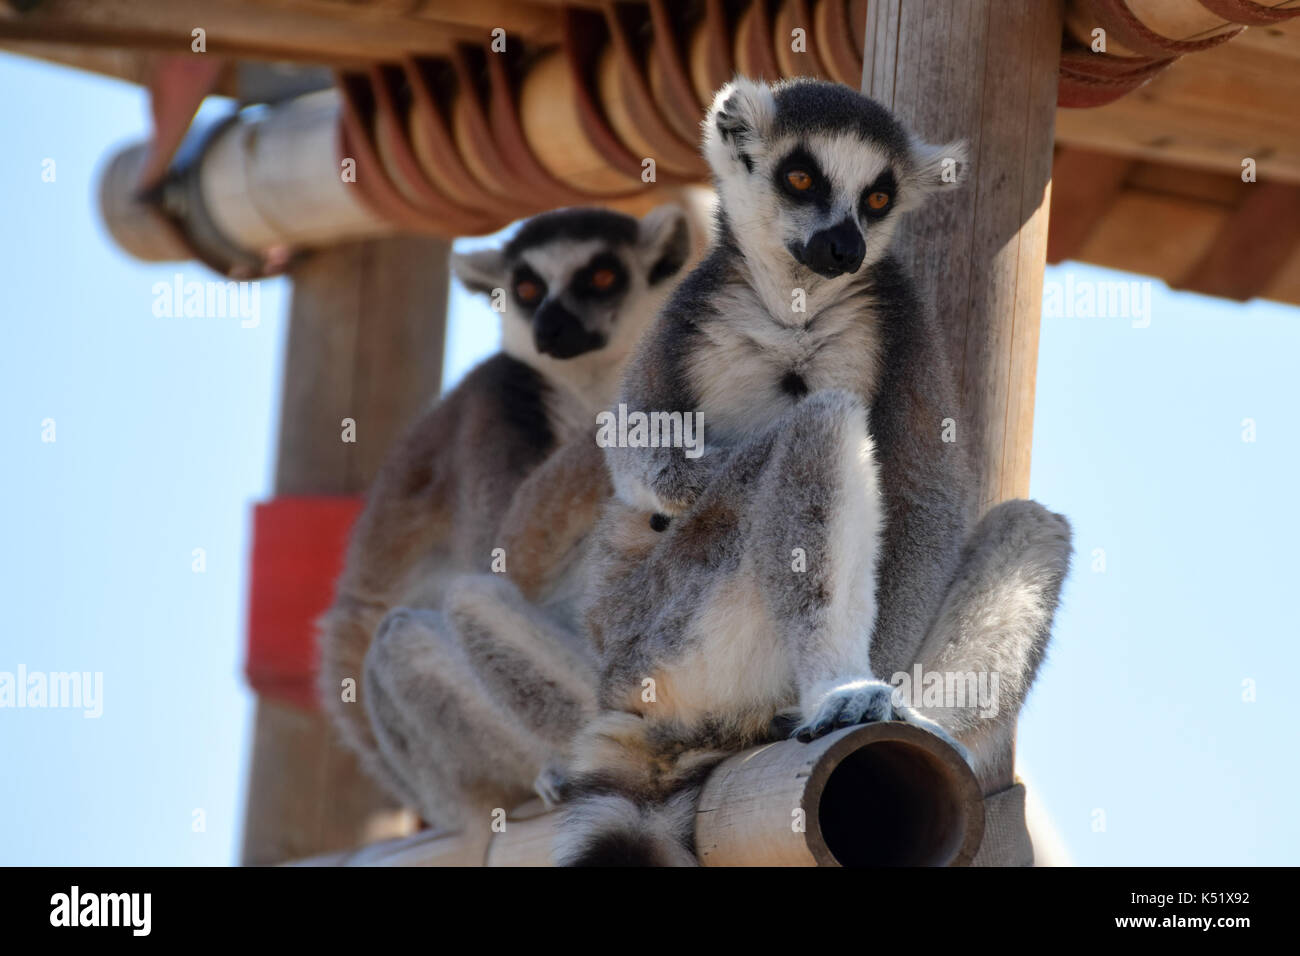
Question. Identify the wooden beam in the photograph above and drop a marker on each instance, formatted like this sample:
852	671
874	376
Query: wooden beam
1183	182
1253	246
133	66
1285	286
537	24
327	32
1084	184
1209	110
366	343
1203	231
1159	236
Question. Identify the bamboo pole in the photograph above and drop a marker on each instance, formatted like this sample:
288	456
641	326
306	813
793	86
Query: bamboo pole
266	179
875	795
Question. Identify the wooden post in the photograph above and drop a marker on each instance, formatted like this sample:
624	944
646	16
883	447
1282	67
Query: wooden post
365	343
984	71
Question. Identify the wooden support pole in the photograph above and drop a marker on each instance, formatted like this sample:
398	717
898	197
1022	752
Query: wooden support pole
984	71
365	343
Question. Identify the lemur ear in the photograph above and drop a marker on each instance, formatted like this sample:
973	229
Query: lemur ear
665	241
739	119
481	270
936	168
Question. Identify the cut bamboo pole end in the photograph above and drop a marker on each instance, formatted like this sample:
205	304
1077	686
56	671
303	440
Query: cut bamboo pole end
885	794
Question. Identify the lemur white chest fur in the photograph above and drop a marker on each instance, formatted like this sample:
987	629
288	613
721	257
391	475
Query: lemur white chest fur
751	365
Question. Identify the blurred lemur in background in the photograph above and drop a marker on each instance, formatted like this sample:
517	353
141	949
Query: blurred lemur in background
419	624
823	541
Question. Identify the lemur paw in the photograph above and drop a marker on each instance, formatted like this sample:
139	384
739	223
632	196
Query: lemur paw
865	702
861	702
550	785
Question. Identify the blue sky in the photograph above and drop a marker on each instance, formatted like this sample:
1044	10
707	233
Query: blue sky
1136	738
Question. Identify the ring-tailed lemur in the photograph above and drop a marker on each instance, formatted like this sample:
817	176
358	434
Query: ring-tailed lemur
826	530
578	287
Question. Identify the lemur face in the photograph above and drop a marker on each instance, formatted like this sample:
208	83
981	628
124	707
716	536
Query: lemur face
578	280
814	176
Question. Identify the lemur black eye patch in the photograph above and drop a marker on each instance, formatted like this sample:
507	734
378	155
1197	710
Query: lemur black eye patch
603	276
799	177
878	198
529	288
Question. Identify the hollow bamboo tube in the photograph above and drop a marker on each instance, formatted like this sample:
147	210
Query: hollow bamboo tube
265	180
136	226
874	795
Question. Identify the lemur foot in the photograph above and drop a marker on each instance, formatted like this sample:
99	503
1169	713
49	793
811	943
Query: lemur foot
550	784
861	702
866	702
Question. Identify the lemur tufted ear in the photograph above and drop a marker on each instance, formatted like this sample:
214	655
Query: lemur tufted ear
481	270
739	119
936	168
664	239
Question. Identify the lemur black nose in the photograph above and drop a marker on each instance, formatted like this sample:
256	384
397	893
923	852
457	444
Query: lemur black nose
835	251
560	333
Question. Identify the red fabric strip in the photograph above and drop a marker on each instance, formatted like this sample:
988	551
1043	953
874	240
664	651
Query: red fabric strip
298	550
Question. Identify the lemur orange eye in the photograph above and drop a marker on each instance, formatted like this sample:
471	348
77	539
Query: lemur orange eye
878	200
528	291
603	279
798	179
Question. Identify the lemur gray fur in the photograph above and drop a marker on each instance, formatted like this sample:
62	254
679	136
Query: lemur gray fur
824	539
579	286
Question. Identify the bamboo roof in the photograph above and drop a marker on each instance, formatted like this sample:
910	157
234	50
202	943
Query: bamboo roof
1152	132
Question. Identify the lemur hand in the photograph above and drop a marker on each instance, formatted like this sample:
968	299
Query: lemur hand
866	702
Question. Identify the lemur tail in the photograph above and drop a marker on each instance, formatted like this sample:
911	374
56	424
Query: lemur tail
995	620
613	829
631	792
